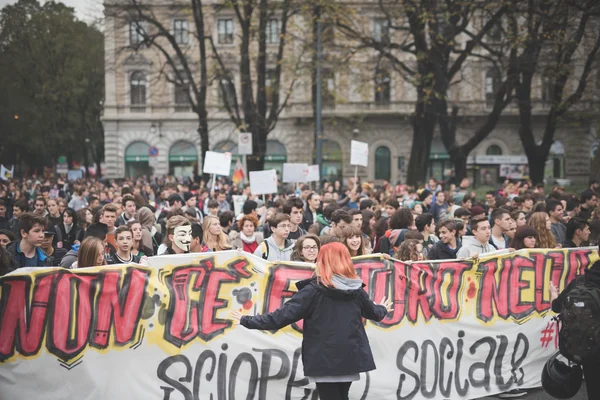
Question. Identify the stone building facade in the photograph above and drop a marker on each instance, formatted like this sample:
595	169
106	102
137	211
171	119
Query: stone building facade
148	132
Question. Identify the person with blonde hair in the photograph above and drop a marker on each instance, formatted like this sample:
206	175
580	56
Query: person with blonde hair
91	253
335	347
540	221
214	237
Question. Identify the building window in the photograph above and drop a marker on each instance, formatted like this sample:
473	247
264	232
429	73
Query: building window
327	33
182	99
547	88
381	30
494	150
383	163
270	85
272	31
137	32
328	94
226	92
137	91
225	31
382	88
491	85
181	31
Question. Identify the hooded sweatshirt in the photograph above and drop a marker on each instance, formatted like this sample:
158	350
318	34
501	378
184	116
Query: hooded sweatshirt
69	258
471	245
274	253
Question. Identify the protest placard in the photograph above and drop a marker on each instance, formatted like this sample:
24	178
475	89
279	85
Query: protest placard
263	182
313	173
359	153
294	173
217	163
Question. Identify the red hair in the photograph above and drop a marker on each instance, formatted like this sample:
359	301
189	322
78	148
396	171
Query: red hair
334	259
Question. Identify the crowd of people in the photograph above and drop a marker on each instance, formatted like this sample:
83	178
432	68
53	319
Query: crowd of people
91	223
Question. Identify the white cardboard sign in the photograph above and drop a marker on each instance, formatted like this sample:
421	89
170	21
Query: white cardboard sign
359	153
313	174
263	182
245	143
294	173
217	163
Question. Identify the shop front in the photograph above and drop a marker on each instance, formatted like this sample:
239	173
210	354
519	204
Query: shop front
136	160
183	159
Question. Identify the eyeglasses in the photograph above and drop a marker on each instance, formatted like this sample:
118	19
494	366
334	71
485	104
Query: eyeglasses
310	248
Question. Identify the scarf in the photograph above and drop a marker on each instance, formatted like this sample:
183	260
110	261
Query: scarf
247	239
68	228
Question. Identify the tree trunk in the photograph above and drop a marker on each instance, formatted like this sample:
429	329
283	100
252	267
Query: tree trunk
256	161
460	166
537	166
423	127
204	144
595	167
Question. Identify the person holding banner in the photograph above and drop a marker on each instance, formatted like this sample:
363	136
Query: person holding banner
179	235
335	348
306	249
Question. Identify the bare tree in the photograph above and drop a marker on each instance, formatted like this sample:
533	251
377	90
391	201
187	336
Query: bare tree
422	44
557	40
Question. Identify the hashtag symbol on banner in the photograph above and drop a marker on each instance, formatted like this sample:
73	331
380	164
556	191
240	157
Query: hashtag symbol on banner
547	335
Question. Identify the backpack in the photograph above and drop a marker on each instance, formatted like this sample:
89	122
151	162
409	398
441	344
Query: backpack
579	336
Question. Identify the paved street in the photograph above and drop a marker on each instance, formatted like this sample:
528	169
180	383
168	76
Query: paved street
539	394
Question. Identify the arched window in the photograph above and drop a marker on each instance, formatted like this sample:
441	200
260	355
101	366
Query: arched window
183	159
494	150
136	160
382	88
492	81
137	91
383	163
276	156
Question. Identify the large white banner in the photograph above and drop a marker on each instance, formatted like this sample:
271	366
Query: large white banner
459	329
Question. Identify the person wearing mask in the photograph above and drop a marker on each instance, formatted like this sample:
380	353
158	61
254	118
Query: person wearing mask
479	243
66	233
57	254
332	304
27	251
6	237
306	249
277	247
448	245
578	233
214	237
178	235
293	208
313	203
129	214
354	241
247	239
91	253
525	238
540	221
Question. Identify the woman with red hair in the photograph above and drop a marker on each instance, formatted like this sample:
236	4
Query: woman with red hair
335	348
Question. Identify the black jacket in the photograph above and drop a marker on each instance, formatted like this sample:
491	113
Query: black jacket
14	249
307	219
335	342
590	275
441	251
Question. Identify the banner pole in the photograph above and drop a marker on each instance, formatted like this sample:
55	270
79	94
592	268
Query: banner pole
355	176
264	202
212	180
244	162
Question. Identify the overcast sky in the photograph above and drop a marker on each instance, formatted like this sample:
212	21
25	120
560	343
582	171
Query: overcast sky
88	10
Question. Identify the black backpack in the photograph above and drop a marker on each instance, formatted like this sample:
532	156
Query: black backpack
579	336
